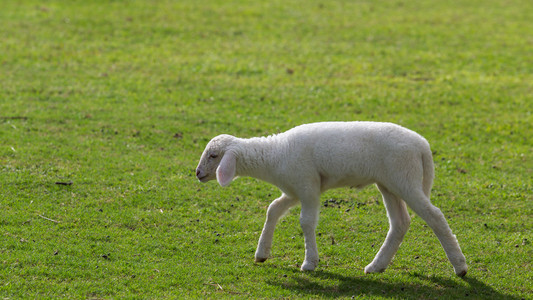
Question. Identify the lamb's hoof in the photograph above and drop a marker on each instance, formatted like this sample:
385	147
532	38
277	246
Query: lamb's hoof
461	272
308	266
372	269
260	259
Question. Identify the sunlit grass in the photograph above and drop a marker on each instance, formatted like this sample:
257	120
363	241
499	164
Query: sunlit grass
120	97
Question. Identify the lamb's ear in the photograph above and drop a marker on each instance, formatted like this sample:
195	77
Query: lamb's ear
226	169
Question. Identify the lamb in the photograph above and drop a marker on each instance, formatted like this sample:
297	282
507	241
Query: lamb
309	159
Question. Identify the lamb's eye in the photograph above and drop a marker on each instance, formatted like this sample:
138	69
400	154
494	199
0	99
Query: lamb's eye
213	155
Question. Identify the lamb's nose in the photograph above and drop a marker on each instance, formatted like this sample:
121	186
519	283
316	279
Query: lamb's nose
197	172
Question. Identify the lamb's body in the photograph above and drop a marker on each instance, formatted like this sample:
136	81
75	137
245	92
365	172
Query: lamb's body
310	159
336	154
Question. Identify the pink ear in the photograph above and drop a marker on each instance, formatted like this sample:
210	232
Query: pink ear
226	169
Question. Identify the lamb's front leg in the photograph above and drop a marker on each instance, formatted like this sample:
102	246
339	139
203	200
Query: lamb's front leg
309	221
275	210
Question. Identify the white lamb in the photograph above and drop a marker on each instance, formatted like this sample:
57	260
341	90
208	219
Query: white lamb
310	159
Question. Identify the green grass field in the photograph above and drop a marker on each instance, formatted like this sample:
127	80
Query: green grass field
106	106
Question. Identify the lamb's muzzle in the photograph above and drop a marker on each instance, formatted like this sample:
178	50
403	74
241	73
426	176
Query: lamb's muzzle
200	175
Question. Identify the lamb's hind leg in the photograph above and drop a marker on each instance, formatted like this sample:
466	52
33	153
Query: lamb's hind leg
275	211
399	221
421	205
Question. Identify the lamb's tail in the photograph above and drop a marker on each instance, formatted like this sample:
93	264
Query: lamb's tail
428	172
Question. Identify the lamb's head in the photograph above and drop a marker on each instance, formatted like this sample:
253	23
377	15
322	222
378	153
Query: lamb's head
218	160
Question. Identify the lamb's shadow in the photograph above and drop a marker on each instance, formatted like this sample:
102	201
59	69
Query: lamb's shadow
338	285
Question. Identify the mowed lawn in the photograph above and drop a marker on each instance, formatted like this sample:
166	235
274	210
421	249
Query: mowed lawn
106	106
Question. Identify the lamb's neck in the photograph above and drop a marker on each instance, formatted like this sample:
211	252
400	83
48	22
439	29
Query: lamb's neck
258	158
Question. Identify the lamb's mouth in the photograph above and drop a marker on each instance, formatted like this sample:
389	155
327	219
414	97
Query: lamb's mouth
202	179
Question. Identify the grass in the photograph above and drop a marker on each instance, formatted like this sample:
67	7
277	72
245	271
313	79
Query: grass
119	98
